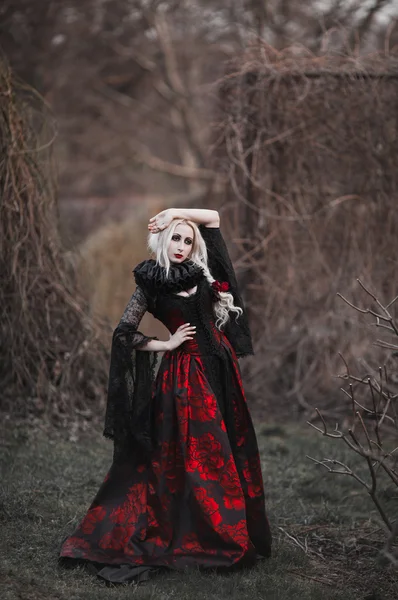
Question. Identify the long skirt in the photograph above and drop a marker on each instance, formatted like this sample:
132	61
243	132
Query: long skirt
199	502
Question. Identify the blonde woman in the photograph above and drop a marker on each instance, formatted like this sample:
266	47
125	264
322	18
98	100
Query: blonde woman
185	487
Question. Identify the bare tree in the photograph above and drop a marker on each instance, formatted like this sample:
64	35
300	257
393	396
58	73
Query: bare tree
373	431
130	81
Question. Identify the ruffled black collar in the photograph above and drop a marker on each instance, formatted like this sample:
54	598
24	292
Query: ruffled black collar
182	276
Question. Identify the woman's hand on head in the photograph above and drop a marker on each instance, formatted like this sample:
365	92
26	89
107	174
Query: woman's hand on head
182	334
161	220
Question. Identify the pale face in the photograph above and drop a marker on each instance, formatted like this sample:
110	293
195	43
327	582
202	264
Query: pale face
181	243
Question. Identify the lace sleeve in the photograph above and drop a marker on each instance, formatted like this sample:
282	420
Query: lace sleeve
131	374
220	265
135	309
132	316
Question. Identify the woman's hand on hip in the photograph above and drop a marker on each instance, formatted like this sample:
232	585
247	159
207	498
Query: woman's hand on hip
182	334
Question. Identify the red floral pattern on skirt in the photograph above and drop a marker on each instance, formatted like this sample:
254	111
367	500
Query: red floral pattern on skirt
198	503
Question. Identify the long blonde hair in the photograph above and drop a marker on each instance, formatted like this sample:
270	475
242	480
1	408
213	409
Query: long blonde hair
158	244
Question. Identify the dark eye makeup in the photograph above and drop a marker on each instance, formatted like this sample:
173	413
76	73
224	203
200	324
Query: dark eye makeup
176	238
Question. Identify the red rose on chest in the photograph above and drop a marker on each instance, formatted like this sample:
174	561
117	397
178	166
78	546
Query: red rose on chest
220	286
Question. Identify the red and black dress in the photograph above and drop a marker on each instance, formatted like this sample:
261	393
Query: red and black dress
185	487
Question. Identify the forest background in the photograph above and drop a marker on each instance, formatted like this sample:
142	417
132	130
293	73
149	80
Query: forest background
283	116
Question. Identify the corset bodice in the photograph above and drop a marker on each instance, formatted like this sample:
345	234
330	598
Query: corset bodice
174	310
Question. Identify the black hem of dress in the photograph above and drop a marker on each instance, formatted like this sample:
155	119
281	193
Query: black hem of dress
139	574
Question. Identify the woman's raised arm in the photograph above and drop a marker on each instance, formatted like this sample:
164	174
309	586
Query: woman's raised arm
201	216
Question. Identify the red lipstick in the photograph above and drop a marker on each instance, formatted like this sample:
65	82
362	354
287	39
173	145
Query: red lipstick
178	255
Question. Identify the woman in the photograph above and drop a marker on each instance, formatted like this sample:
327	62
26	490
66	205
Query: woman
185	486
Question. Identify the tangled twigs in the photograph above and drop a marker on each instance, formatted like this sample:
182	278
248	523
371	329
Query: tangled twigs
346	470
289	218
303	546
385	316
52	359
373	432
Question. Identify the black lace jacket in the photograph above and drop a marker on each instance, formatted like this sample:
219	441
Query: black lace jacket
128	414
